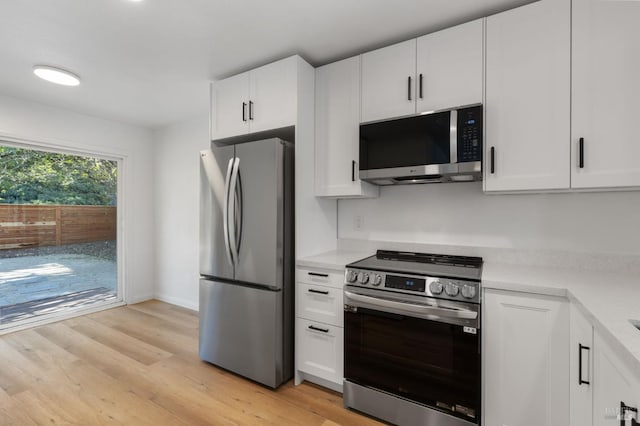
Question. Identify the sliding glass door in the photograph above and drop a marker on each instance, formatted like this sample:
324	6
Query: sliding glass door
58	233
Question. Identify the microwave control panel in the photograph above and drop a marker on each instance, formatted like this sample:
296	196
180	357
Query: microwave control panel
470	134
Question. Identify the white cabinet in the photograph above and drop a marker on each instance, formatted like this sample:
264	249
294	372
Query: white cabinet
434	72
527	98
229	106
581	368
338	131
605	93
319	339
614	383
389	82
320	350
261	99
526	359
449	67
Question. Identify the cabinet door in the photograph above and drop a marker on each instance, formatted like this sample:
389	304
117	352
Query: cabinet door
527	104
338	131
581	368
320	350
449	67
614	382
526	362
272	94
388	82
229	106
606	89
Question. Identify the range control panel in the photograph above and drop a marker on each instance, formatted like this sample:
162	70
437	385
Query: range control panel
442	288
470	134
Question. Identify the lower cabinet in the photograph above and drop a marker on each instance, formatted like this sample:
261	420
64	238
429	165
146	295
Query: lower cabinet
319	345
526	359
613	383
581	369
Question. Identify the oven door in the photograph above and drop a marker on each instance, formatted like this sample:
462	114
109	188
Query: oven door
425	350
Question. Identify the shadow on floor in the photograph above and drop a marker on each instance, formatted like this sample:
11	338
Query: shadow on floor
51	305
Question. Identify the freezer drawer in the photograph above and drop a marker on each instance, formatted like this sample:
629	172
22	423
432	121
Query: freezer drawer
241	330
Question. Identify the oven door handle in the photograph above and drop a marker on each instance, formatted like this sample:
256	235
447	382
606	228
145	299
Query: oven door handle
413	309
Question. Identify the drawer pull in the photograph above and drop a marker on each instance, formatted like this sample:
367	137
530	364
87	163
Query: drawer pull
318	291
316	274
324	330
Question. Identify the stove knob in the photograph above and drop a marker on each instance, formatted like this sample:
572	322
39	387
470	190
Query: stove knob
468	291
363	278
376	279
436	287
452	289
351	276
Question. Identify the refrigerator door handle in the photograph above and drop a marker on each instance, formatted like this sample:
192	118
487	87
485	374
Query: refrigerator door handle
232	235
225	211
238	213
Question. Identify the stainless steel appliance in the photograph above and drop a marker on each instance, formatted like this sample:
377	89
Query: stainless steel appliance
443	146
412	338
246	259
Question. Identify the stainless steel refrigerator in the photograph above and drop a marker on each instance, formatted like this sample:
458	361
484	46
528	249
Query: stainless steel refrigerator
246	259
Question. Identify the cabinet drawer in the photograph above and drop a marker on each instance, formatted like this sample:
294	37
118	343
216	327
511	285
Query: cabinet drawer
319	351
319	303
317	276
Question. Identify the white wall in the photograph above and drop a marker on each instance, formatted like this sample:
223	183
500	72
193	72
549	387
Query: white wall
459	214
176	201
37	123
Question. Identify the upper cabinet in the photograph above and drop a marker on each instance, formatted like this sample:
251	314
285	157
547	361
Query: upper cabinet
262	99
337	131
389	82
605	93
434	72
527	98
449	67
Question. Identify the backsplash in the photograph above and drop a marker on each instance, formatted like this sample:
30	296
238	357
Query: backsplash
461	215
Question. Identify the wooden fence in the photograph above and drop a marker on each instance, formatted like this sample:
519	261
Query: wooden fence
24	226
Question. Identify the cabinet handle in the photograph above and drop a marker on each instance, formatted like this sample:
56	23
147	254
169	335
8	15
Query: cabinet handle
244	111
581	153
420	86
324	330
353	170
409	88
493	160
623	411
250	110
580	349
325	292
316	274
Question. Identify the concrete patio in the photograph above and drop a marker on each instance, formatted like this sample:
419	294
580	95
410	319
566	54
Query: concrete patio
40	284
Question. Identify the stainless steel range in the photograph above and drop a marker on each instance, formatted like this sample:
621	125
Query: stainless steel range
412	338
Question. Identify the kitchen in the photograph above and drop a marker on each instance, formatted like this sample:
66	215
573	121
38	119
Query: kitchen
537	233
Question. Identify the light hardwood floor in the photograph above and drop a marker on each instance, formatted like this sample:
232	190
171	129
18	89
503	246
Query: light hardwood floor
138	365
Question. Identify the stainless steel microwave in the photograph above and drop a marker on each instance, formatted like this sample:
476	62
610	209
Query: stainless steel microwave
442	146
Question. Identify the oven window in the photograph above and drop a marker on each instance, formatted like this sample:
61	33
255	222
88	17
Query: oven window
406	142
432	363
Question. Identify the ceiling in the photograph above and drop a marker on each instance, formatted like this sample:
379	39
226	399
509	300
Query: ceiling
148	63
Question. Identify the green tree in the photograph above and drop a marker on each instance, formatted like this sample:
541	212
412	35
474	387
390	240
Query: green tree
29	176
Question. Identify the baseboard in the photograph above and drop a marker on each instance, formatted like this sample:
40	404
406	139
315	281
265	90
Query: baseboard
189	304
139	299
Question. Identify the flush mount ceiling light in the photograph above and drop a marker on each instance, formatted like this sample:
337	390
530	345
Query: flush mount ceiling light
56	75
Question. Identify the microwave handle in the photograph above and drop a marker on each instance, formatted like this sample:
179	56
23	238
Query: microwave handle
412	309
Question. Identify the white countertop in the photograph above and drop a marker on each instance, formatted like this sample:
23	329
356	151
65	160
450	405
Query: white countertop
335	260
608	299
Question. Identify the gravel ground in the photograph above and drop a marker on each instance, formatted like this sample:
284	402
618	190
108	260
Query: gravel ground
100	249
